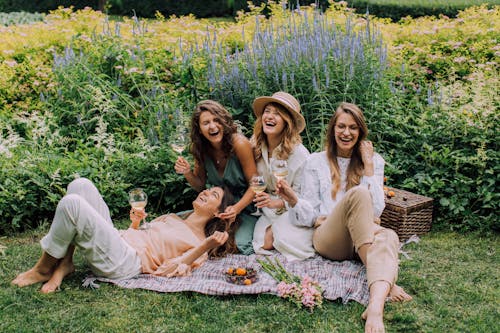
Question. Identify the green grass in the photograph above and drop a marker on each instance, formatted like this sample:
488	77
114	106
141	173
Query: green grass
453	278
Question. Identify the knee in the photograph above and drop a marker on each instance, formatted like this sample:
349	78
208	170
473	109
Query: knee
69	201
359	194
390	237
80	185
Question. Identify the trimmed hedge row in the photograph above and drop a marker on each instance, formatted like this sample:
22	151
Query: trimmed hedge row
393	9
199	8
396	9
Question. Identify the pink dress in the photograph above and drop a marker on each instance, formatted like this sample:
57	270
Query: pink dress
162	245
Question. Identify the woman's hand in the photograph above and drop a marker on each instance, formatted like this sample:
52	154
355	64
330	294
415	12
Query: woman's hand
136	216
285	191
366	150
182	166
263	199
229	214
216	239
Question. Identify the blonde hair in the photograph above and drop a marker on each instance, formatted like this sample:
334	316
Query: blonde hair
356	166
289	139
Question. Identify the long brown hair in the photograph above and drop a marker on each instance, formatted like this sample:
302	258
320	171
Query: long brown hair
217	224
289	138
356	166
200	146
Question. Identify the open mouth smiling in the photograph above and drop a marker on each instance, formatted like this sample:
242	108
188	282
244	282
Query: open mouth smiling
214	133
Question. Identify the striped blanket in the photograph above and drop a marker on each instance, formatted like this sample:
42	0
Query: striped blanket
345	280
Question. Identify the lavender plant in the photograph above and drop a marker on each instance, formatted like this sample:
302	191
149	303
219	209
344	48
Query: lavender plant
307	55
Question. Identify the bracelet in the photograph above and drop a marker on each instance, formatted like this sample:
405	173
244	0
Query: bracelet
284	203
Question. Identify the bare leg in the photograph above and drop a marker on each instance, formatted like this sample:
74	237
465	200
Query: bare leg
374	313
64	268
268	239
41	272
379	290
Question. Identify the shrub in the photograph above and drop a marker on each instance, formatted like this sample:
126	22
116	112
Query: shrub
395	9
307	55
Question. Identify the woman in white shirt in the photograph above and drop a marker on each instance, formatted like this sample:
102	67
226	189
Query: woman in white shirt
341	197
277	136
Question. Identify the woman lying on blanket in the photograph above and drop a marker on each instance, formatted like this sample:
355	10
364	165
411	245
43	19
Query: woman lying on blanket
276	136
222	156
167	246
341	196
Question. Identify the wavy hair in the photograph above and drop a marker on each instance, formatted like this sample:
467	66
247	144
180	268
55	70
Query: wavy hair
356	165
217	224
289	139
200	146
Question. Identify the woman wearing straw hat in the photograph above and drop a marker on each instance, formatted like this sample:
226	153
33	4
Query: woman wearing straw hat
341	196
276	136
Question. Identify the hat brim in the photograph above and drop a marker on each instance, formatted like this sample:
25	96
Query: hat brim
260	103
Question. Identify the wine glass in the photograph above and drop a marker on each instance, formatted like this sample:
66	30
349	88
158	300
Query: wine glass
258	185
138	199
279	168
180	140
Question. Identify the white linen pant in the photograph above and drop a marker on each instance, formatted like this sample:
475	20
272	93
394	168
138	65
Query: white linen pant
294	242
82	218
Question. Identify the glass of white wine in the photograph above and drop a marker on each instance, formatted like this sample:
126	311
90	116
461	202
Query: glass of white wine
138	199
280	169
258	185
180	141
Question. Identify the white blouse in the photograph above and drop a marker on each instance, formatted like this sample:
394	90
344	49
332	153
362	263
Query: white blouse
315	198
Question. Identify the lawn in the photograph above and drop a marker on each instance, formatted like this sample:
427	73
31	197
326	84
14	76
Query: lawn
452	277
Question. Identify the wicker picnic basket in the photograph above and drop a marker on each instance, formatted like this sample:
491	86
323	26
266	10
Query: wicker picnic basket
407	213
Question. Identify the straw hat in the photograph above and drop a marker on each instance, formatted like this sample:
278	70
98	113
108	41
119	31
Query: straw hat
287	101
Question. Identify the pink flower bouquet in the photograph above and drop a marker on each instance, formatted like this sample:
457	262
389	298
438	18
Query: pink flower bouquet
302	292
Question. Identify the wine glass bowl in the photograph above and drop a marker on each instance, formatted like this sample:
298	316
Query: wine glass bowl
258	185
279	169
179	142
138	198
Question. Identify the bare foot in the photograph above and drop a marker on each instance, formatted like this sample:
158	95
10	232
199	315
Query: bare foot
374	321
398	294
63	270
31	277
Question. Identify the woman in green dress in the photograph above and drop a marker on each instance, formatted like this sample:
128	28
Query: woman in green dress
222	156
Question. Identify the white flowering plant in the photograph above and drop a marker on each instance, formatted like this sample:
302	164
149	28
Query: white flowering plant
303	292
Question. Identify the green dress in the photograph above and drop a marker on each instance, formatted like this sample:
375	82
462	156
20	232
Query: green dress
235	180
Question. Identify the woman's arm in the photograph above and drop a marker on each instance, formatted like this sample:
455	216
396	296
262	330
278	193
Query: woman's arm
306	208
244	152
196	178
181	266
375	185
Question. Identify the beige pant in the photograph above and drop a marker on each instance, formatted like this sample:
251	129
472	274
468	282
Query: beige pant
349	226
82	218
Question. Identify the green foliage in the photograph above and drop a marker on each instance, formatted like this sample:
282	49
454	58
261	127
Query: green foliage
104	106
310	57
33	183
396	9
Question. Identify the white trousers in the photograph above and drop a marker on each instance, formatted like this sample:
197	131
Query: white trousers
82	218
295	243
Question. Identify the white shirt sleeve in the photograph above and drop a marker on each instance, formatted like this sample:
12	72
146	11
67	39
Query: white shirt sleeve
304	212
375	184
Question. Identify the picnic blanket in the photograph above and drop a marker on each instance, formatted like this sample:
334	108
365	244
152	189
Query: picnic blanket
340	279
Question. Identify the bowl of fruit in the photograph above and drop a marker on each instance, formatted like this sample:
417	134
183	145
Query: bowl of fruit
241	275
